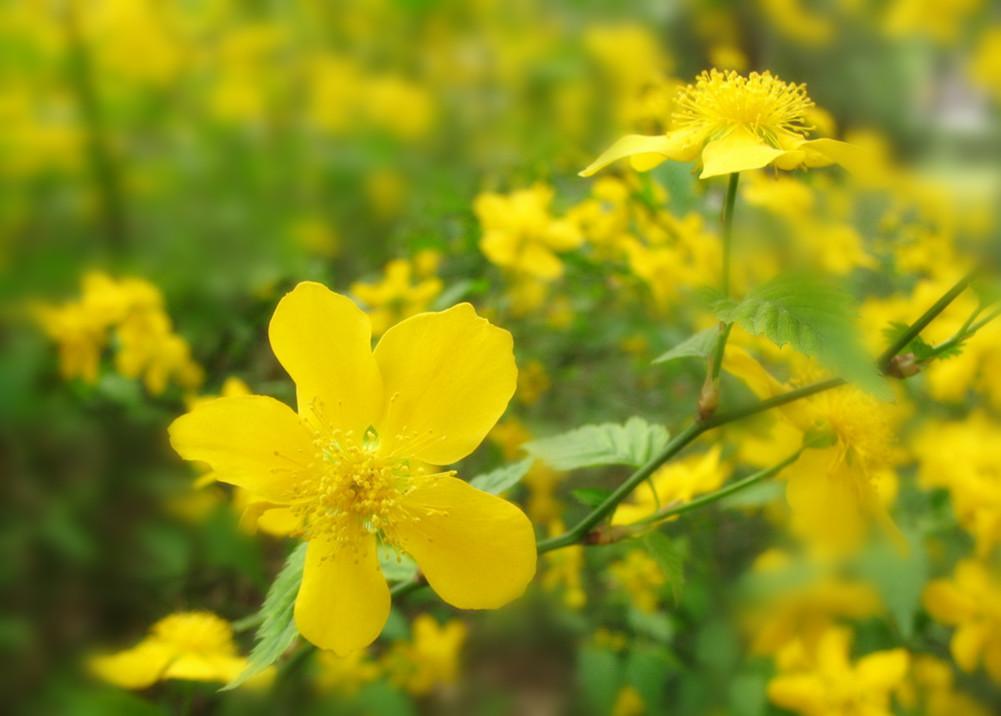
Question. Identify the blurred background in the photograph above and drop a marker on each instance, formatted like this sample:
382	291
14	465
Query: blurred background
188	161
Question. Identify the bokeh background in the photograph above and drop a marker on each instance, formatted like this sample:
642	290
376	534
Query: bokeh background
221	151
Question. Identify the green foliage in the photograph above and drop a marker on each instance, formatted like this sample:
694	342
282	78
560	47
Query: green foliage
922	349
699	345
813	315
899	573
396	566
590	496
633	443
599	676
502	479
277	631
670	556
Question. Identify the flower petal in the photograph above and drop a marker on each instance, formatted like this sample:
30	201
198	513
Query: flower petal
253	441
476	550
343	601
822	152
738	151
448	377
324	341
882	670
649	151
135	668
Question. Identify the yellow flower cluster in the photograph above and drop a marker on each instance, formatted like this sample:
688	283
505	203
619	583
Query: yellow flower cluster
129	315
641	578
407	287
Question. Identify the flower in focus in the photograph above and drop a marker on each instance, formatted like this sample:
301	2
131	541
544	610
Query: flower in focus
675	483
734	123
971	602
358	463
521	235
397	296
430	659
193	646
826	682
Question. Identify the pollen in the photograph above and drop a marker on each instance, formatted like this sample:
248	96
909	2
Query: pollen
719	101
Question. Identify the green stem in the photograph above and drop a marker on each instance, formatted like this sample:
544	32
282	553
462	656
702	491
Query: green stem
727	234
708	499
710	391
927	317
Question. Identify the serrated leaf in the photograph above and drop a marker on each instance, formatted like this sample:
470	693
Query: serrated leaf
813	315
277	630
670	557
396	566
698	346
590	496
632	443
503	478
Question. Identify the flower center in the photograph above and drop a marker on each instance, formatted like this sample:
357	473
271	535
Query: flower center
352	489
761	103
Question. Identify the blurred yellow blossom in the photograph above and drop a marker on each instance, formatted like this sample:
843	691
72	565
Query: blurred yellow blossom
521	235
533	382
345	674
642	579
675	483
193	646
985	67
628	702
430	660
561	570
932	687
826	682
971	602
398	295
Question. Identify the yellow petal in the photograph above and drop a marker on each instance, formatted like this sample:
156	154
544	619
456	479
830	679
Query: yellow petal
476	550
343	602
824	497
946	603
824	151
221	668
805	693
882	670
738	151
324	341
255	442
968	643
448	377
135	668
648	151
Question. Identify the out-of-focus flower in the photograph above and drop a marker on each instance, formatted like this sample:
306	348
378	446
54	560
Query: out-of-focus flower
561	570
316	236
542	482
974	483
675	483
430	660
193	646
985	67
806	609
796	22
533	382
834	491
971	602
940	20
735	124
357	461
521	235
639	575
398	295
931	687
826	682
509	436
628	702
146	345
345	674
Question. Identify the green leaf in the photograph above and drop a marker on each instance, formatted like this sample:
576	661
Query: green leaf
922	349
670	557
599	677
277	630
698	346
816	317
633	443
396	566
899	578
456	292
590	496
503	478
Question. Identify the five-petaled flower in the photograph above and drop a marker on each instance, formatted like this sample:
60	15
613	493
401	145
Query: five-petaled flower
735	124
359	462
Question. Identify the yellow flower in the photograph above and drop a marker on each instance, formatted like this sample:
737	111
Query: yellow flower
542	482
735	124
674	484
431	659
345	674
970	601
520	234
357	462
834	490
641	577
628	703
533	382
985	67
509	436
193	646
396	296
828	683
